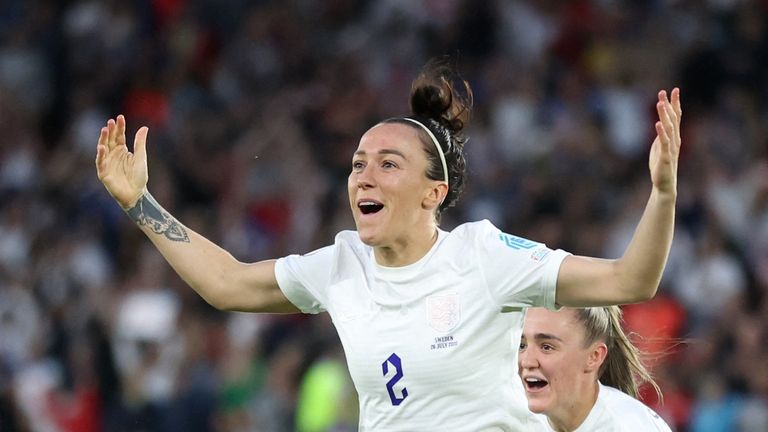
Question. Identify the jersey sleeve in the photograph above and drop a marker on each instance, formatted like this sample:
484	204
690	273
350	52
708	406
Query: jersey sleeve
304	278
518	272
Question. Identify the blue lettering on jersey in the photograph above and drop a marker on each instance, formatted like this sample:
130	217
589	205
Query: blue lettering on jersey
394	360
515	242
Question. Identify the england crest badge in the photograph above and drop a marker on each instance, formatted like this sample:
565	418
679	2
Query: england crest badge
443	311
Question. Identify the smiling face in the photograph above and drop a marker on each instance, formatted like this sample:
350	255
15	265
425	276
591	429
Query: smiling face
392	200
559	372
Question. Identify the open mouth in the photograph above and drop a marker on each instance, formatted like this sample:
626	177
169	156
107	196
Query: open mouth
369	207
533	384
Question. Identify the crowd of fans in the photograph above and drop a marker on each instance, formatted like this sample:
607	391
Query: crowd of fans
254	109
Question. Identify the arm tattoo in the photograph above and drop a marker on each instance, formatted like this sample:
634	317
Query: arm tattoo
148	212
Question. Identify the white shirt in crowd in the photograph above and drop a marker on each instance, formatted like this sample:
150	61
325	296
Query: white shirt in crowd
427	344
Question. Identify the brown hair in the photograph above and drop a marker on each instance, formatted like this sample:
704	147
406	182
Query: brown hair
437	103
622	368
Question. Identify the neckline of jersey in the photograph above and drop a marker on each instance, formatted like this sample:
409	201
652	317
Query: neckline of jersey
396	274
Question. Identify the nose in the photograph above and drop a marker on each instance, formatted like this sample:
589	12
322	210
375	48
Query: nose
365	178
526	359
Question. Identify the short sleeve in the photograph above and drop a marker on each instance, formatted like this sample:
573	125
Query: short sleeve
518	272
303	278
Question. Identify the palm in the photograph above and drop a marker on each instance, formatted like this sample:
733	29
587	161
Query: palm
124	174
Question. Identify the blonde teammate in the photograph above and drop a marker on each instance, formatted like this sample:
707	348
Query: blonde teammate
580	370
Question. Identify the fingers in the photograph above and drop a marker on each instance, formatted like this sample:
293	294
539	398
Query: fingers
664	127
115	132
112	134
673	104
662	136
140	143
101	150
101	154
120	136
103	138
676	103
676	107
668	125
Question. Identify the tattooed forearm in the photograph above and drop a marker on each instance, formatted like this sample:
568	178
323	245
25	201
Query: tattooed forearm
148	212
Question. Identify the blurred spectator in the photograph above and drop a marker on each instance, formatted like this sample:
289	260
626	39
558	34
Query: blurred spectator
326	399
711	280
716	408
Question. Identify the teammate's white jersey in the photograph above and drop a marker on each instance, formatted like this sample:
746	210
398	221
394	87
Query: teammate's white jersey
427	346
616	411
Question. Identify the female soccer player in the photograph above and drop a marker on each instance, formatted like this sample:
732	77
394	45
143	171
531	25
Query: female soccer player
580	370
417	308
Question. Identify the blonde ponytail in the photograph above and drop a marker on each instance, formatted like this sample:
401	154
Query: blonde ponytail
622	367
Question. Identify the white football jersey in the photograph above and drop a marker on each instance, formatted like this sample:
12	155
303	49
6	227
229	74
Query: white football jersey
427	344
616	411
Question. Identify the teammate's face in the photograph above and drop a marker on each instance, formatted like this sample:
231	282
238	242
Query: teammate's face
559	372
389	192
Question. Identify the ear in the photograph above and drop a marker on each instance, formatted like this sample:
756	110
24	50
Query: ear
597	354
435	195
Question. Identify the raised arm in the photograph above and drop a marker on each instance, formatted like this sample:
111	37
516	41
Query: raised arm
635	277
216	275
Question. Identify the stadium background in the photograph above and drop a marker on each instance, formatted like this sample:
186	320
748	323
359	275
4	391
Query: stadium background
254	108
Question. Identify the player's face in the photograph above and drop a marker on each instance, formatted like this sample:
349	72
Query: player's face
554	364
388	185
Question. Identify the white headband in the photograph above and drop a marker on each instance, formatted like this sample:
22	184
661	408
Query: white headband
437	144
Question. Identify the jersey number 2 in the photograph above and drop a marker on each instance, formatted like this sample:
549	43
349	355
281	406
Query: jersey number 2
394	360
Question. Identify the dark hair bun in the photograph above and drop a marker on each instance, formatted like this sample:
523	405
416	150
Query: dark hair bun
434	96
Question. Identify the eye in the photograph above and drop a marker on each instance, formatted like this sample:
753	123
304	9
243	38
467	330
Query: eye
522	345
357	165
547	347
388	164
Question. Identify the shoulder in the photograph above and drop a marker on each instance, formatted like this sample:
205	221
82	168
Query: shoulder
474	231
320	267
346	244
615	398
468	238
349	238
485	229
486	236
480	226
628	411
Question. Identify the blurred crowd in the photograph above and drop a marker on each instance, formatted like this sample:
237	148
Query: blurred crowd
254	108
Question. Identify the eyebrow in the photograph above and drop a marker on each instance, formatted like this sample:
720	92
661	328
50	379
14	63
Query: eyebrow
546	336
383	151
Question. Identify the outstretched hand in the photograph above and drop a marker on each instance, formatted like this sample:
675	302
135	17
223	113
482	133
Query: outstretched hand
665	150
123	173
